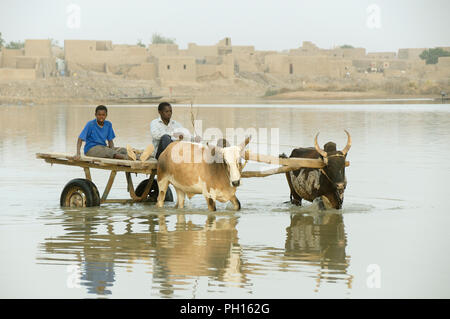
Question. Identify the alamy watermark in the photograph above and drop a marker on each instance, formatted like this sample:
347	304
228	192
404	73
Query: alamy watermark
74	277
374	279
373	16
262	141
73	12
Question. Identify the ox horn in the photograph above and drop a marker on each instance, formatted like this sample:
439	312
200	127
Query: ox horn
318	149
349	143
246	141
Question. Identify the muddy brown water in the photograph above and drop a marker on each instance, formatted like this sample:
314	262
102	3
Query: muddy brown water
389	240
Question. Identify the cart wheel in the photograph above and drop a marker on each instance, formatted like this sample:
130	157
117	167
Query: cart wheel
154	190
95	192
80	192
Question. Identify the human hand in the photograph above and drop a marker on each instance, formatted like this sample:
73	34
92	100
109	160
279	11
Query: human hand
178	135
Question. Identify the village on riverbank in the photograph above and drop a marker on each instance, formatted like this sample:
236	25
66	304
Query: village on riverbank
89	71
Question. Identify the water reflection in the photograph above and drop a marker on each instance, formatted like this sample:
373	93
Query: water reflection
320	239
179	249
194	250
95	242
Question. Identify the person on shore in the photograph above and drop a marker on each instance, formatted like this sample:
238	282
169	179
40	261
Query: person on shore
95	134
164	130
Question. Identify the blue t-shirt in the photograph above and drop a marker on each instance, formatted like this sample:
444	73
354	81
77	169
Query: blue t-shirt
94	135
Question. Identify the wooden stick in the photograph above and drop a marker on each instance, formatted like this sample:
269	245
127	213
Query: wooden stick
148	186
131	187
87	172
119	201
100	161
279	170
112	176
146	170
293	162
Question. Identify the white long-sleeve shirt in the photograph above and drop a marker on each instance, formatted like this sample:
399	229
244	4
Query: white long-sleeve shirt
158	129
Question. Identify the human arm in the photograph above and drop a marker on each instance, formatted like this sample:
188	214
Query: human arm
111	135
180	135
79	143
181	132
82	138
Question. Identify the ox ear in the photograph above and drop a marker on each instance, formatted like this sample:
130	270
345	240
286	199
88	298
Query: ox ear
245	143
215	150
223	143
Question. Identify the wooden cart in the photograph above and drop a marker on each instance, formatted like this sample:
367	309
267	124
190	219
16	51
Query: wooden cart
81	192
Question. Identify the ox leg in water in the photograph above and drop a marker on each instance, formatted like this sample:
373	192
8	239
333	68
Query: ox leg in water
236	203
211	204
321	204
180	198
162	185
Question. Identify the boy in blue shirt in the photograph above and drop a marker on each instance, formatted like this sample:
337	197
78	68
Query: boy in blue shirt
95	133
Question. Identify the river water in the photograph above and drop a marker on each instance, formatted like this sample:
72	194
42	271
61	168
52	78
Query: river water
390	239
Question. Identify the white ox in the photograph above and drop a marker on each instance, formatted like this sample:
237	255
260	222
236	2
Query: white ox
216	174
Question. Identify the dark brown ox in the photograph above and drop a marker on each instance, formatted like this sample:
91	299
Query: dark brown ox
216	175
327	183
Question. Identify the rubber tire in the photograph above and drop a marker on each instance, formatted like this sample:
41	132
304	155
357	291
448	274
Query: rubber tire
96	193
154	191
88	188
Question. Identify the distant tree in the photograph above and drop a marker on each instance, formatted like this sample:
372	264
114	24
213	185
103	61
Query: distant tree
1	40
15	45
139	43
53	42
157	38
347	46
431	56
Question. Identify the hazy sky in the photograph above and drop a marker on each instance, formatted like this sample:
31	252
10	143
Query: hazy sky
377	25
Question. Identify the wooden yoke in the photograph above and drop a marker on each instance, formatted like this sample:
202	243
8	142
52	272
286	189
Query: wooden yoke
288	164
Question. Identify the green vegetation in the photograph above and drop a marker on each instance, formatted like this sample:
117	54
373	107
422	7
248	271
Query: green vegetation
270	92
431	56
1	41
53	42
399	86
157	39
347	46
15	45
139	43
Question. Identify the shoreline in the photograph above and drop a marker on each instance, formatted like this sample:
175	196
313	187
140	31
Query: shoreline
311	97
104	90
95	88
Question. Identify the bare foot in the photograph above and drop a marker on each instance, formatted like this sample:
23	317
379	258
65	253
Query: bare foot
131	153
147	152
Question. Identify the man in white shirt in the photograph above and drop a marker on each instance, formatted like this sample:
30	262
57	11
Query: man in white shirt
164	130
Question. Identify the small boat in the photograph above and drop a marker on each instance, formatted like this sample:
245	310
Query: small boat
145	98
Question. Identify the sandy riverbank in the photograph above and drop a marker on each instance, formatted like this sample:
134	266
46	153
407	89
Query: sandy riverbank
105	89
